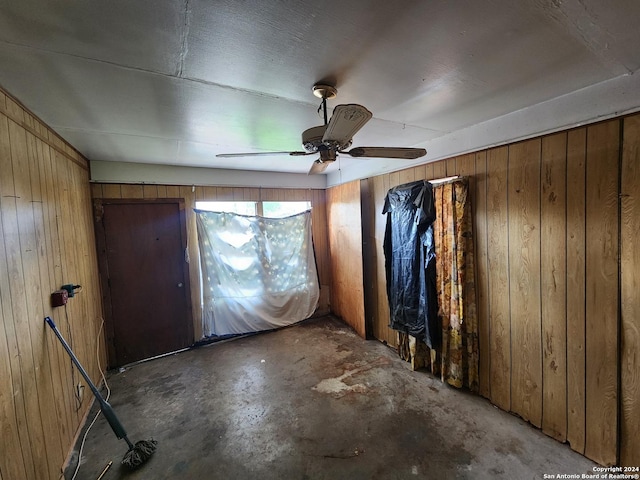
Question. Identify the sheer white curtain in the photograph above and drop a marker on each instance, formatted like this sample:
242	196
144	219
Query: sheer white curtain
258	273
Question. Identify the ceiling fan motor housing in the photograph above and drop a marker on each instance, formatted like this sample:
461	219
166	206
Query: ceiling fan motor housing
312	140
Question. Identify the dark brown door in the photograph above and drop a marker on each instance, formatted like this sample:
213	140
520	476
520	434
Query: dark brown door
145	278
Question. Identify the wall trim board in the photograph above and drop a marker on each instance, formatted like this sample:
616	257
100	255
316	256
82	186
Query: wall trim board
18	113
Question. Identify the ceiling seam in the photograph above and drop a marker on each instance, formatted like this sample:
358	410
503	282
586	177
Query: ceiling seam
184	48
160	74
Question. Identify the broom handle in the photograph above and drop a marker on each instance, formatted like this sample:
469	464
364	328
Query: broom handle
106	409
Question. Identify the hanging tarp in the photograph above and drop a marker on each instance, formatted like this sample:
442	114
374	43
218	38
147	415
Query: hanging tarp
257	273
410	261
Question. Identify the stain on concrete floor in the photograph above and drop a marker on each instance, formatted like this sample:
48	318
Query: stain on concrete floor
312	401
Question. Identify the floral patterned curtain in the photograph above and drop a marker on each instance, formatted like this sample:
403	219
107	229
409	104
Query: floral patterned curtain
457	362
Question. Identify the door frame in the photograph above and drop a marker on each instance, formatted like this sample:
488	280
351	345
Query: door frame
103	266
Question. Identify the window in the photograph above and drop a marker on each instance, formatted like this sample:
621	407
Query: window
284	209
263	209
257	268
257	273
241	208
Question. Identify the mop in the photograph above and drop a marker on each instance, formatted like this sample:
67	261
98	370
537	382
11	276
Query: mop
138	453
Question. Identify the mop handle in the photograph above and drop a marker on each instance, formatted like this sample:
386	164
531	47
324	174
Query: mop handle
106	409
75	361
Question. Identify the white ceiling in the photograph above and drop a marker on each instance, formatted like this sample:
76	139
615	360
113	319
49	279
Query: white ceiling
178	81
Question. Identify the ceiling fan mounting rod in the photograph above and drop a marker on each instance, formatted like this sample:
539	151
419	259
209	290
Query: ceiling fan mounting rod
324	91
324	109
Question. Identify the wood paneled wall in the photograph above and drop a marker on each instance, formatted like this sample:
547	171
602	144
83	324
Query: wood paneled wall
345	248
557	280
630	294
212	193
46	240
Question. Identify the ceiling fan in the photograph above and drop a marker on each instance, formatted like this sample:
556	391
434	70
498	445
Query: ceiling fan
336	135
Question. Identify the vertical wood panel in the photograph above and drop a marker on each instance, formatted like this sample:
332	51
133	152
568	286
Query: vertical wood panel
450	167
576	212
482	272
406	176
524	279
498	278
439	170
39	286
131	191
96	190
62	372
553	285
208	193
16	455
173	191
381	317
150	191
110	190
345	247
20	260
419	172
428	171
602	292
630	291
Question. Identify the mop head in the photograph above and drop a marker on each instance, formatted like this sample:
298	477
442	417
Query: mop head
140	453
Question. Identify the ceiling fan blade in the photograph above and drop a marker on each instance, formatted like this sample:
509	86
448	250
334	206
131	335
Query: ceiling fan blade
387	152
318	167
260	154
345	123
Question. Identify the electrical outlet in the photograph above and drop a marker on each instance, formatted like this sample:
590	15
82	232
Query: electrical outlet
80	391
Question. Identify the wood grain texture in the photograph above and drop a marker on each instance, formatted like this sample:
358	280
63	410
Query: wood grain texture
498	278
131	191
381	317
546	281
630	293
369	266
45	240
428	171
450	168
20	259
16	460
479	201
524	275
602	292
439	169
576	349
406	176
553	275
345	254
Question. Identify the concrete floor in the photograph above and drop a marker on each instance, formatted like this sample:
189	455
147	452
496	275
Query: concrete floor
312	401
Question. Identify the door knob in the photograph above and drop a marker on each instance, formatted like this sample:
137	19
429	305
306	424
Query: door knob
180	285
